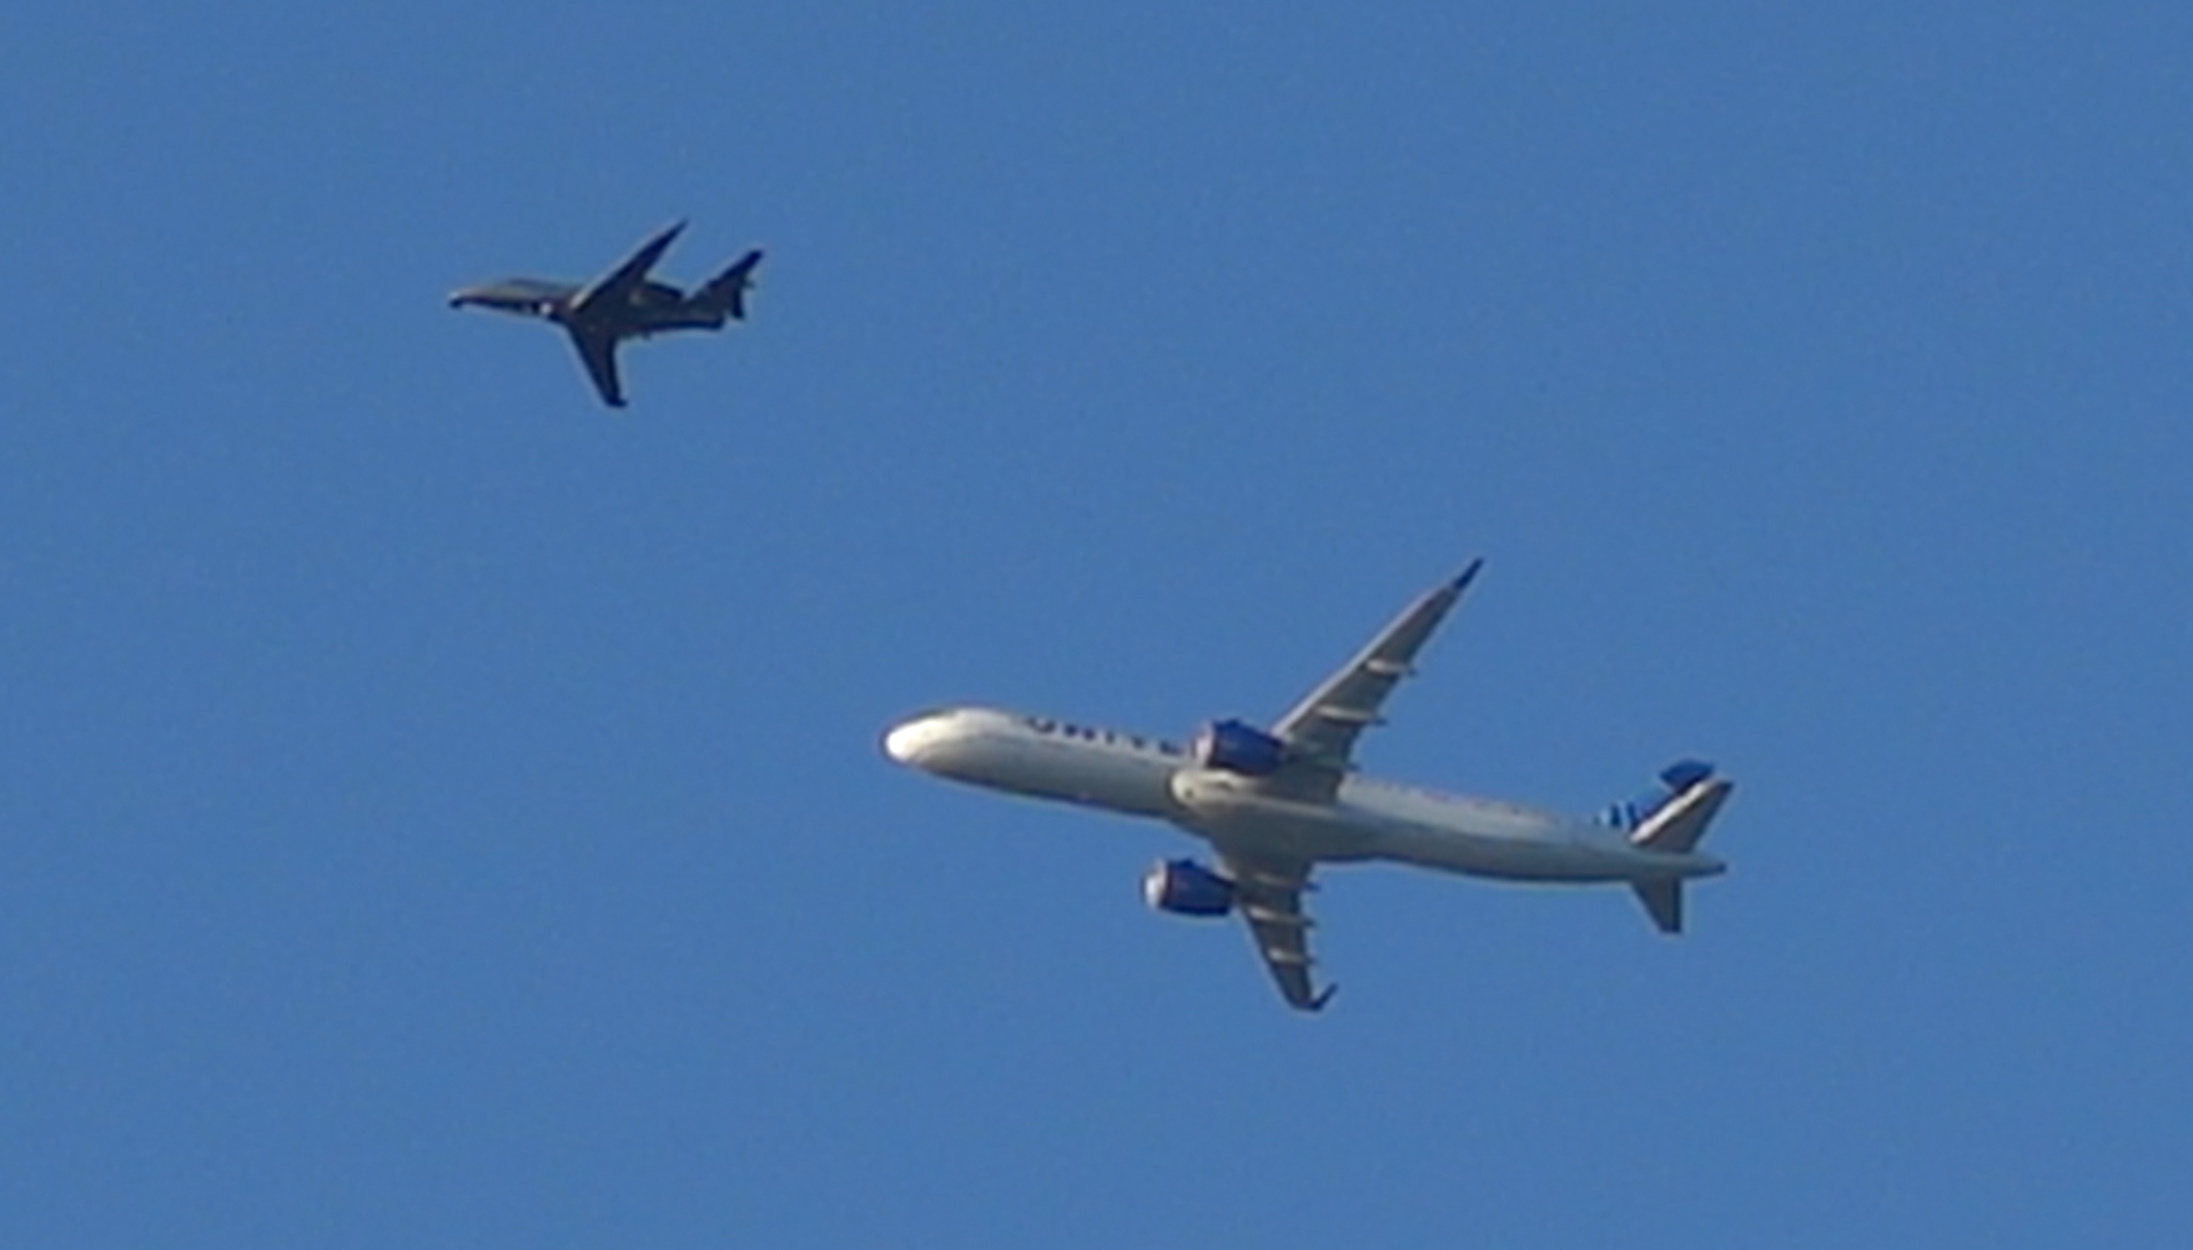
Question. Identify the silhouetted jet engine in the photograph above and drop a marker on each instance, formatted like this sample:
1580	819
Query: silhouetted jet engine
1186	888
1238	747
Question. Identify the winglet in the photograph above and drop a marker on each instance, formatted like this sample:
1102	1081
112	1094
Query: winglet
1324	996
1469	575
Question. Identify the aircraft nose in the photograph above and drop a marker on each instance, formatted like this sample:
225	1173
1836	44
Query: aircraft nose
950	742
908	742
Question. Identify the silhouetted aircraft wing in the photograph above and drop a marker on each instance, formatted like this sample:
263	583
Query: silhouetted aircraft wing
616	287
599	351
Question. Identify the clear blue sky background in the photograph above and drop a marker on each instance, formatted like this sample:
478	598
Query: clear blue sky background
436	812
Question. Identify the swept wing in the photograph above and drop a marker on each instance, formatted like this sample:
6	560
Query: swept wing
598	348
1268	893
615	288
1320	732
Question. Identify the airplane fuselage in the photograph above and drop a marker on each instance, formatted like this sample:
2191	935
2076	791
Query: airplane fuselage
655	307
1367	820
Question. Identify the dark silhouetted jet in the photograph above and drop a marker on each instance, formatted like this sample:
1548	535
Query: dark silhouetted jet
622	304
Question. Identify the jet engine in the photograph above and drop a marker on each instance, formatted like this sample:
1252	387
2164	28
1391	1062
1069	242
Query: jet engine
1186	888
1238	747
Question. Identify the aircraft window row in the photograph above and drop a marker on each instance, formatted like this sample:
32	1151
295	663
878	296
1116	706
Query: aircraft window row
1422	792
1066	729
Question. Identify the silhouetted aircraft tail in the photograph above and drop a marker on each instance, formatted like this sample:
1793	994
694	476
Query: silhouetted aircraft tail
726	292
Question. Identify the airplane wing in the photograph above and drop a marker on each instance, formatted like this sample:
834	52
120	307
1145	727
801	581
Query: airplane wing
599	350
616	286
1322	729
1268	891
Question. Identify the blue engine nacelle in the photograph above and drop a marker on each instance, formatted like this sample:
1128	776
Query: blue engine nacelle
1186	888
1239	747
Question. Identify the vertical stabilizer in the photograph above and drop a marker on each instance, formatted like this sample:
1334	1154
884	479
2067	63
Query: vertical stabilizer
1680	822
726	292
1672	827
1663	900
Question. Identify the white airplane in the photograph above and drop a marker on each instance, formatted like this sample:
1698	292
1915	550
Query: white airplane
1274	804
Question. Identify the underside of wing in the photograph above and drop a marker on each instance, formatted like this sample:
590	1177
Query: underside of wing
1268	893
599	351
1320	731
616	287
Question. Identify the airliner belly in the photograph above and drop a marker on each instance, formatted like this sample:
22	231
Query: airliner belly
1479	836
1378	822
1226	807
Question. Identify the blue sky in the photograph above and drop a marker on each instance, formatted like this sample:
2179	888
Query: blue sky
441	813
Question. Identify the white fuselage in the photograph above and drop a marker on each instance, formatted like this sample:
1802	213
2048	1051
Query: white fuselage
1366	820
